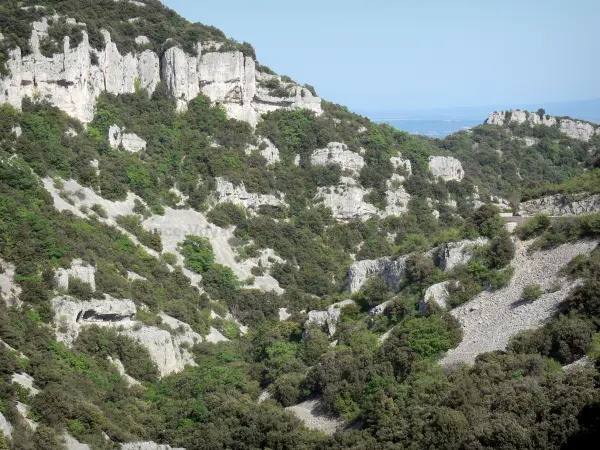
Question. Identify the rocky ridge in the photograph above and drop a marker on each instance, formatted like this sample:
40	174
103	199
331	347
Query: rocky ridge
575	129
74	79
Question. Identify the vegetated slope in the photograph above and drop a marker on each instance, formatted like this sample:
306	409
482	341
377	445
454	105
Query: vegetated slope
165	264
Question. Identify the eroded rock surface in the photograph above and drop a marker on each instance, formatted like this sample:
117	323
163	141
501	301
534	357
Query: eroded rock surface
337	153
446	167
438	294
313	414
329	318
239	196
392	271
560	205
73	79
79	270
575	129
131	142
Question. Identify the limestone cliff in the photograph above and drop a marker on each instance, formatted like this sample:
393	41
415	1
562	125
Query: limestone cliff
73	79
575	129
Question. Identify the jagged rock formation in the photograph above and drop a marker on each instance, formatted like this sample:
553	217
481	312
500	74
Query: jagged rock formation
575	129
438	293
491	318
131	142
266	149
396	197
329	318
391	270
450	255
338	153
346	200
447	257
73	80
167	350
79	270
446	167
239	196
560	205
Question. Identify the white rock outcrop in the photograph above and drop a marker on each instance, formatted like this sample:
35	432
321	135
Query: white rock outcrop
131	142
73	79
26	381
438	293
560	205
446	167
491	318
70	80
117	364
399	163
73	444
396	197
450	255
284	314
329	318
238	195
337	153
379	309
79	270
266	149
167	350
5	426
8	288
575	129
392	271
346	200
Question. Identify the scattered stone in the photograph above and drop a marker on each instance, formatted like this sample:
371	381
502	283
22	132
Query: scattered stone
491	318
313	414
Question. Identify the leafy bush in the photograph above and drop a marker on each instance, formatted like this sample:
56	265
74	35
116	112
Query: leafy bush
198	253
531	292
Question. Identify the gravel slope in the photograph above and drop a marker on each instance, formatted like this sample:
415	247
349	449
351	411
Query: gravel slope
490	319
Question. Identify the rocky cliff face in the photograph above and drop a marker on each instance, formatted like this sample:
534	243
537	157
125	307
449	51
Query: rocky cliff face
391	270
575	129
446	167
73	80
239	196
338	153
560	205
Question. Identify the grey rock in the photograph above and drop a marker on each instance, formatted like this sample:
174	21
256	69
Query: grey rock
560	205
446	167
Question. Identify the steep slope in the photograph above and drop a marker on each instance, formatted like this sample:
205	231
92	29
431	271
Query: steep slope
181	230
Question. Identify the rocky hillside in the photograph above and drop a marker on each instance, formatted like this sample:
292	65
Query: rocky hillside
196	252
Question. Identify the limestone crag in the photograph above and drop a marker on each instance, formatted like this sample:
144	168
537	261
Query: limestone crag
560	205
398	163
453	254
79	270
337	153
329	318
5	426
73	79
446	167
575	129
438	294
130	141
346	200
168	350
239	196
70	80
379	309
9	289
392	271
266	149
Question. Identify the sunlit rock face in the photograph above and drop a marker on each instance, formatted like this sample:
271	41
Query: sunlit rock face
73	79
575	129
446	167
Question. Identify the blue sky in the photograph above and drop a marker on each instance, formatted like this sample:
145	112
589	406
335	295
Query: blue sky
394	55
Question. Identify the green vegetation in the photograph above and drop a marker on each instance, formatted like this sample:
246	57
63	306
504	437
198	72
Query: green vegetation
394	392
531	292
